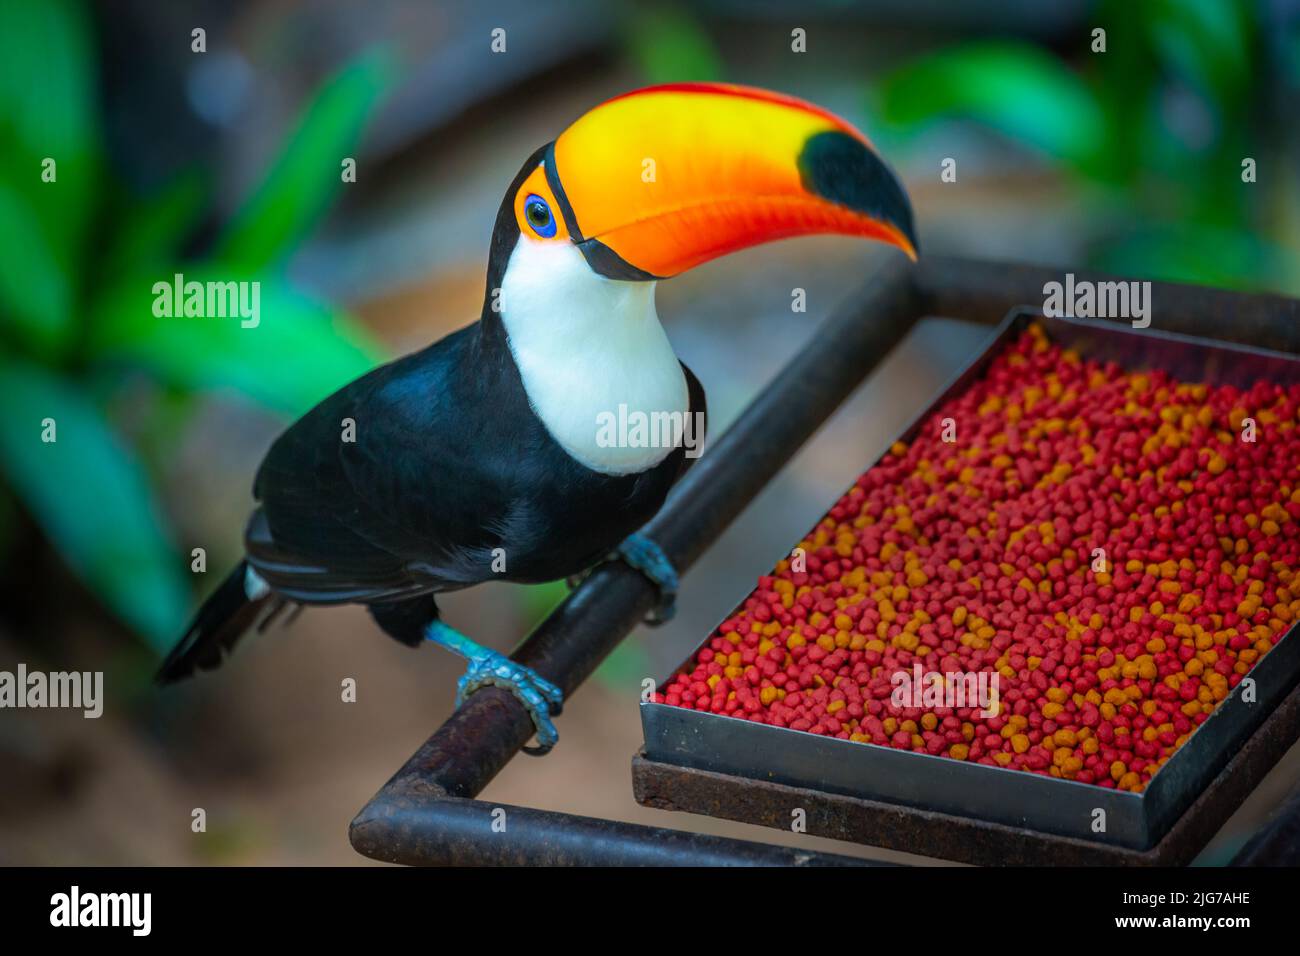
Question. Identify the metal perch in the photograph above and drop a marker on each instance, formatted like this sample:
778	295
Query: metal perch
427	814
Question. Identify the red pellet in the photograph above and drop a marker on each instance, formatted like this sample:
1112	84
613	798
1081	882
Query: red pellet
981	556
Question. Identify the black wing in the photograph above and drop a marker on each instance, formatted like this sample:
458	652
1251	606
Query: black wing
413	502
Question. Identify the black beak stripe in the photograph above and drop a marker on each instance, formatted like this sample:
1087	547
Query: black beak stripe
602	259
841	168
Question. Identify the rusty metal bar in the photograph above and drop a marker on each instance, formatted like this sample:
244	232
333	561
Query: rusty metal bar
481	833
424	814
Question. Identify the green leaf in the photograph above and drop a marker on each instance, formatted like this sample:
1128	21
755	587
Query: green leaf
1291	58
48	111
1015	88
670	46
299	351
153	231
1207	42
90	494
1229	258
46	76
625	667
536	601
35	291
303	181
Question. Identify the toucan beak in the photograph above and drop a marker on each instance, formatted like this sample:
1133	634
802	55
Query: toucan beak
657	181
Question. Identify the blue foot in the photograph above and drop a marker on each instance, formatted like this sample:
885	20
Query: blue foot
648	558
540	697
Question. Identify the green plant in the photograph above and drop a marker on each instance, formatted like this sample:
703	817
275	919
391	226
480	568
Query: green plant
668	44
81	257
1152	131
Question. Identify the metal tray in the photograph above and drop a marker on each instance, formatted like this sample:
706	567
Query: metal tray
730	745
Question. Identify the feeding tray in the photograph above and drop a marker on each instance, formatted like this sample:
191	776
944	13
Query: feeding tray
731	751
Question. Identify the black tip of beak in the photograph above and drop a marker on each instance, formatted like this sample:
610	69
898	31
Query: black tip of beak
844	170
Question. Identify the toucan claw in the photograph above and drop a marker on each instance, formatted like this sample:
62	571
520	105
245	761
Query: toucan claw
646	556
488	668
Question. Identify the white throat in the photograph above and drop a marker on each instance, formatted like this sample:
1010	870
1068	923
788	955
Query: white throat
586	345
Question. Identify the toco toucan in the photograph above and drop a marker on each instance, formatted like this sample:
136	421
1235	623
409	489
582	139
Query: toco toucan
488	454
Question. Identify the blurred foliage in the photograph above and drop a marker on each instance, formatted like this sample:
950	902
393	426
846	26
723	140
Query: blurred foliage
669	45
76	304
1154	130
536	601
626	666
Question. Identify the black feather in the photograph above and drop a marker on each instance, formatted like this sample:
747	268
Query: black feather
222	620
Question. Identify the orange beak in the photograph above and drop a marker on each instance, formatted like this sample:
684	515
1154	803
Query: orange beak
657	181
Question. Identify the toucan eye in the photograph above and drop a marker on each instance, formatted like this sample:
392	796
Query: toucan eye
538	214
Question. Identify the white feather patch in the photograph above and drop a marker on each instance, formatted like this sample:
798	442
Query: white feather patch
586	345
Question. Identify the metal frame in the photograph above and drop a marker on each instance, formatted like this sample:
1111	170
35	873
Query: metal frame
692	739
964	839
426	813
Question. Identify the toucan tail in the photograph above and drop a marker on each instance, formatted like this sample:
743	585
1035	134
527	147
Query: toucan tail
222	620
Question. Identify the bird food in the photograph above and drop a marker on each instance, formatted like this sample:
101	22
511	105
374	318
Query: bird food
1065	571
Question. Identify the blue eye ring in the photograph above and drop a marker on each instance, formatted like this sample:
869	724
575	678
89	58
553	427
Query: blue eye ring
539	217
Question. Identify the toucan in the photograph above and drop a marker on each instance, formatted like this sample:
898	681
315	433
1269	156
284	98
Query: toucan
487	455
